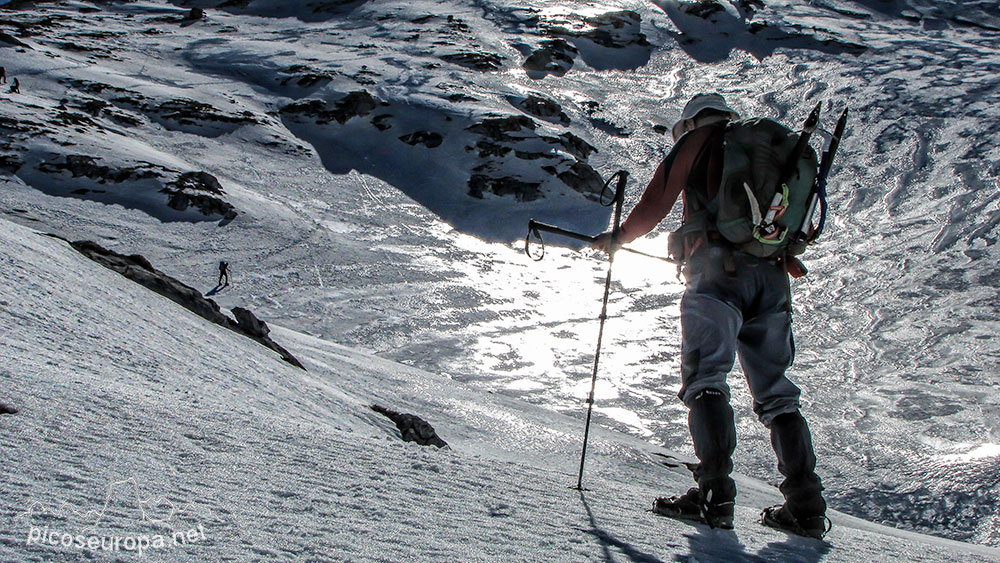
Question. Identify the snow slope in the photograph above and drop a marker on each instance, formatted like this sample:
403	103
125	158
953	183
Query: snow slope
363	233
139	419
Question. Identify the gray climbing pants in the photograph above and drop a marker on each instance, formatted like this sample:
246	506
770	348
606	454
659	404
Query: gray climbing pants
746	314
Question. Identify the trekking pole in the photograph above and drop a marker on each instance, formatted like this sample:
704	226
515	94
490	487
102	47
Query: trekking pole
618	201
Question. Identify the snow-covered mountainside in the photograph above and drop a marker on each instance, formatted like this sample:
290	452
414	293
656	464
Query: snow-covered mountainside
157	435
364	167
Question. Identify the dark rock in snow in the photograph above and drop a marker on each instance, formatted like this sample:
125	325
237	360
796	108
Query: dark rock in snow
429	140
138	269
574	145
192	112
555	56
201	181
616	29
182	193
180	200
412	428
703	9
306	76
499	128
542	107
354	104
11	163
249	323
7	409
381	122
79	165
480	184
582	178
478	61
8	40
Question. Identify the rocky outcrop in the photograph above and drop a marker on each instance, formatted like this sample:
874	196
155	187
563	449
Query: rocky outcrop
79	165
173	113
354	104
306	76
8	40
194	189
553	56
7	409
412	428
563	156
199	190
480	184
426	138
475	60
615	30
138	269
541	107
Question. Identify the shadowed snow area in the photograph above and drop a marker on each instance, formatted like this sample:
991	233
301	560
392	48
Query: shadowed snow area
366	169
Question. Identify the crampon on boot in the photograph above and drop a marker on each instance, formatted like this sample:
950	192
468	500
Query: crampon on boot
779	517
692	506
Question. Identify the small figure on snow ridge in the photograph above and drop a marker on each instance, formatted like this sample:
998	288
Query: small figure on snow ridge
223	273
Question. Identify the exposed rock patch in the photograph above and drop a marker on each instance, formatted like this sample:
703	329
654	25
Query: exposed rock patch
305	76
554	56
475	60
194	189
138	269
412	428
7	409
428	139
564	157
174	113
180	196
354	104
480	184
542	108
616	30
79	165
7	40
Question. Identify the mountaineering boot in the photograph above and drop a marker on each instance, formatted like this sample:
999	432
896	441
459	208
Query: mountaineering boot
780	517
713	433
693	506
804	511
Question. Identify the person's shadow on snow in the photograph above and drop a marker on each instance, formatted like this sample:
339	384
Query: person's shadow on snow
718	545
216	289
715	545
608	541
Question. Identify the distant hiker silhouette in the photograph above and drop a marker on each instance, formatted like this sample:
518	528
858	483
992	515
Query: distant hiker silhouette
3	75
15	87
223	273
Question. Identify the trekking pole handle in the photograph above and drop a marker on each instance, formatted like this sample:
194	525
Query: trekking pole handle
535	228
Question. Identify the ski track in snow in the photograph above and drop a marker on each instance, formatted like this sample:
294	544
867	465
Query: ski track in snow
896	323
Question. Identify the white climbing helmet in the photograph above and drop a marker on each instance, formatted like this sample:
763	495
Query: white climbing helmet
695	106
